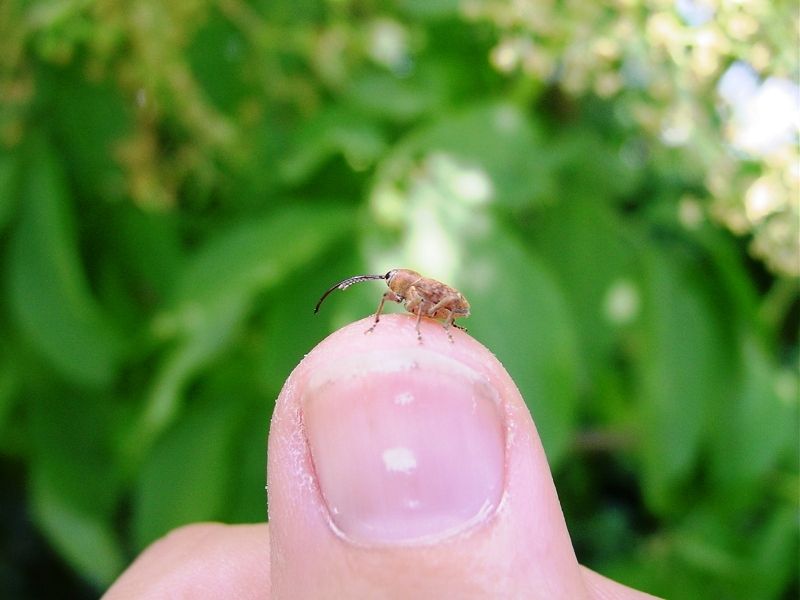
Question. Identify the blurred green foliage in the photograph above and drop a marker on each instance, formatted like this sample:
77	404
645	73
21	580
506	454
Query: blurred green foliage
180	180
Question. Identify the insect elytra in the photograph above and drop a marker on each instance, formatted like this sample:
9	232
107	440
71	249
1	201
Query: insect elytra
421	296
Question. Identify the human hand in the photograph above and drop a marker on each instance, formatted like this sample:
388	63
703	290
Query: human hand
396	470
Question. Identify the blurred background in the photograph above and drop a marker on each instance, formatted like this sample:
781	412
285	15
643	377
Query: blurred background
614	186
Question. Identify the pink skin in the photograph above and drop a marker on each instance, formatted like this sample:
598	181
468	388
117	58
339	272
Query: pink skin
396	470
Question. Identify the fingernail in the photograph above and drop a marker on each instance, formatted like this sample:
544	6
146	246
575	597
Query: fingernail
407	446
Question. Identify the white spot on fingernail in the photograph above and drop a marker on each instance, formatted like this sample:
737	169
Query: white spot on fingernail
403	398
399	460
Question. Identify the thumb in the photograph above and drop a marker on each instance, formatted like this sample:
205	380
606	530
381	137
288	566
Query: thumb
407	470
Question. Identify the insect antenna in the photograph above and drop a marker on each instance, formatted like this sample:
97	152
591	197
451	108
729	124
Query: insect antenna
343	285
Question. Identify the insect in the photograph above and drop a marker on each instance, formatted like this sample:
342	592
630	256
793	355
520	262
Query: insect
420	295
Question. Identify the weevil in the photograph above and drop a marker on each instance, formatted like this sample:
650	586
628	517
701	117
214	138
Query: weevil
420	295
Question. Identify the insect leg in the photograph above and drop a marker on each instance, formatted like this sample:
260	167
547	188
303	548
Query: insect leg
443	303
419	318
447	323
415	304
390	295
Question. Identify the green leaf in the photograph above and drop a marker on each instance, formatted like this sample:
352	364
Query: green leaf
773	555
430	9
83	537
335	131
590	164
148	250
248	502
253	255
388	96
735	288
185	477
218	53
497	141
684	375
163	400
71	435
49	295
75	477
589	251
9	386
755	427
9	190
89	122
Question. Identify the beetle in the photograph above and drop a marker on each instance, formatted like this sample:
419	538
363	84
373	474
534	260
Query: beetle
420	295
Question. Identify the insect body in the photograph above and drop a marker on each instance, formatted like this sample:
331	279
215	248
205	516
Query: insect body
421	296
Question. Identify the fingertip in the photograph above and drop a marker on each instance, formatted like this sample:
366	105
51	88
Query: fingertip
422	453
202	560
